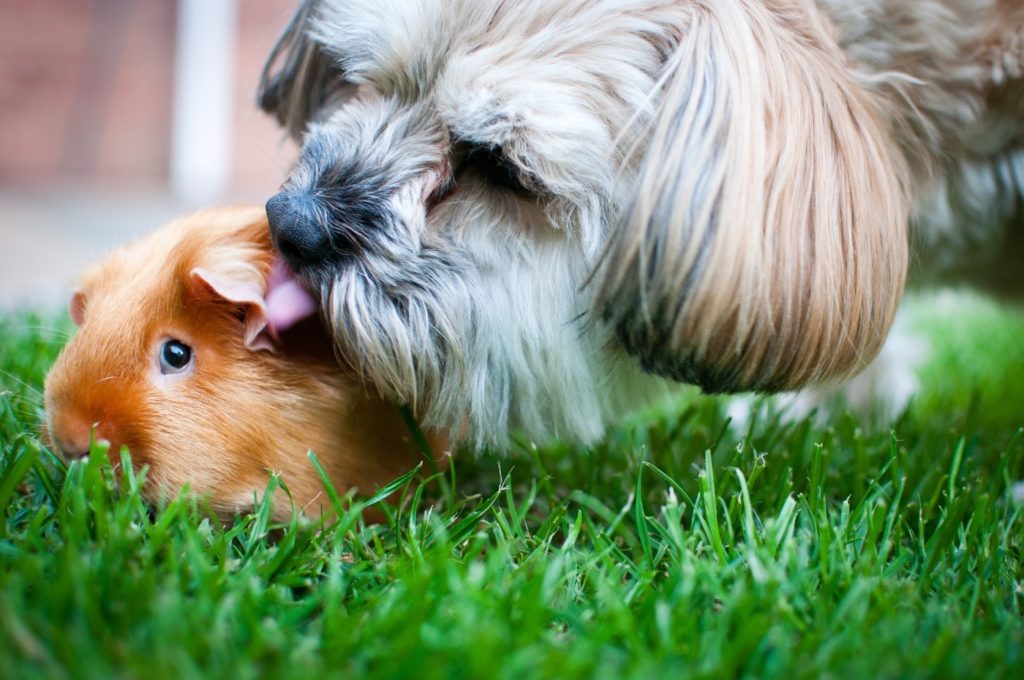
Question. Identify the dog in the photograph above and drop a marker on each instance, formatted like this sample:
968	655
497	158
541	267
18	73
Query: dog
530	215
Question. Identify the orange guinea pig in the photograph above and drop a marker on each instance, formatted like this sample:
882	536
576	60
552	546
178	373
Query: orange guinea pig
175	359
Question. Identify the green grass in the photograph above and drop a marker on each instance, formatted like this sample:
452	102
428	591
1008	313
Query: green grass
675	548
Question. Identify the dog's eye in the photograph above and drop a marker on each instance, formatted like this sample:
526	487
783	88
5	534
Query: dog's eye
175	357
490	163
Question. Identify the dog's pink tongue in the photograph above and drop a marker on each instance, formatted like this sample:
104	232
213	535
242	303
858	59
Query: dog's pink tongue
287	301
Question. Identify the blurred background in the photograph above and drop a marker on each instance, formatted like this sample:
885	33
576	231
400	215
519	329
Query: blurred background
116	115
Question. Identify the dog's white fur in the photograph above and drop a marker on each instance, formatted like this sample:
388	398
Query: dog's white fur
714	191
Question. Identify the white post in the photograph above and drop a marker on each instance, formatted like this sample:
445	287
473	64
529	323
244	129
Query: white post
204	90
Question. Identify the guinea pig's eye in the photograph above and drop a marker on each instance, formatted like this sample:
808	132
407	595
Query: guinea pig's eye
175	356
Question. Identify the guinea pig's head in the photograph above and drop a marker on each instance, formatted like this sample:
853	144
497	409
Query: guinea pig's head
174	359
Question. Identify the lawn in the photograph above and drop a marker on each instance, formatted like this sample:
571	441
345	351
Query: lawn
678	547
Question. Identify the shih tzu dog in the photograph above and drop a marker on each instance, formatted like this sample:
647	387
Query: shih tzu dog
526	214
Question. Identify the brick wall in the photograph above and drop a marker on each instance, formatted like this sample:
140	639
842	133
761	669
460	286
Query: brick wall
86	91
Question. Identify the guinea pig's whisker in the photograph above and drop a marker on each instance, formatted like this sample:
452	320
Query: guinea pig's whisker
312	500
28	386
60	335
25	413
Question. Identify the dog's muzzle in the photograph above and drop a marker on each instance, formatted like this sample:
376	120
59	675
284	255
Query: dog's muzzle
295	231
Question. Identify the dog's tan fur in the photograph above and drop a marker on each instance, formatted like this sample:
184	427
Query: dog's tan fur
242	411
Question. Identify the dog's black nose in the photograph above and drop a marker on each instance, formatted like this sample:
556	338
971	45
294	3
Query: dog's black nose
295	230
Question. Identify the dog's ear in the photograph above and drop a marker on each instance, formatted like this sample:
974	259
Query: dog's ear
764	246
299	78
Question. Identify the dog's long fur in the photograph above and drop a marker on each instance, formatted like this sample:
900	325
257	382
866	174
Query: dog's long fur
527	209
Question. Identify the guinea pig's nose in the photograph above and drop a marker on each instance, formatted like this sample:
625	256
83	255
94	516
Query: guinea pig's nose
74	444
293	226
72	435
73	451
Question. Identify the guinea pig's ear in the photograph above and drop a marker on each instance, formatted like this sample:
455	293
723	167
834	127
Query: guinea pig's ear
764	245
76	308
244	287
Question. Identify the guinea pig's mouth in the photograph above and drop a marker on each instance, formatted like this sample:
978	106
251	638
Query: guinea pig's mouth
288	301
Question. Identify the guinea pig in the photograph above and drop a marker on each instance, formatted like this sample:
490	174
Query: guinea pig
176	359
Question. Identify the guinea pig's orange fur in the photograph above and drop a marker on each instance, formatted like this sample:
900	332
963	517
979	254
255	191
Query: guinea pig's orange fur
241	411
